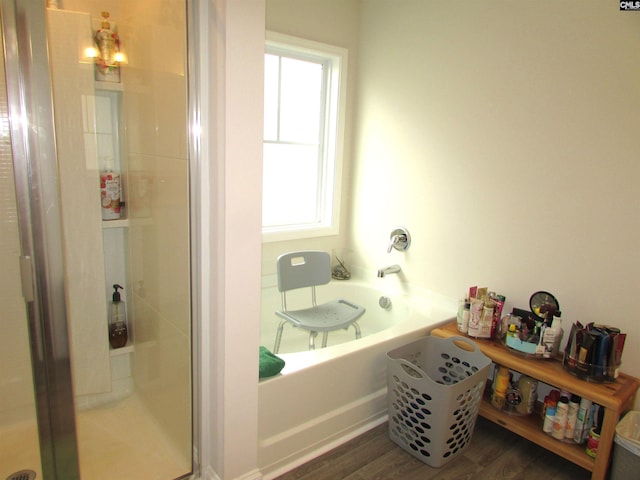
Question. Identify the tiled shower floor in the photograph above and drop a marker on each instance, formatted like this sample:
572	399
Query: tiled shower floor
116	442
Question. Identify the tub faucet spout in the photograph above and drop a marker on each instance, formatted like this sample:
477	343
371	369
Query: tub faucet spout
388	270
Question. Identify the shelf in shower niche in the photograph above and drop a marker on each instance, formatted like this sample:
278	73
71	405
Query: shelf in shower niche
123	223
114	352
112	86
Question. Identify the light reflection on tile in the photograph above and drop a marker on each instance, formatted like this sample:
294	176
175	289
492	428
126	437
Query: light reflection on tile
116	442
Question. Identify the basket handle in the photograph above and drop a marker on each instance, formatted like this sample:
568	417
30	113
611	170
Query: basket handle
411	368
463	343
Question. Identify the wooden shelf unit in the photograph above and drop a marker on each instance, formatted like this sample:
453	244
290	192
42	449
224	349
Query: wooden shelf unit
616	397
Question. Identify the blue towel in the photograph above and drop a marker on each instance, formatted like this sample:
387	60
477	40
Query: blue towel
270	364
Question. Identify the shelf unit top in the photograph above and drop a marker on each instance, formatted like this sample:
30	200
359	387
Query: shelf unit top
551	371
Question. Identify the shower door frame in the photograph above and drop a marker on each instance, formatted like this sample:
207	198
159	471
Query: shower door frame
30	105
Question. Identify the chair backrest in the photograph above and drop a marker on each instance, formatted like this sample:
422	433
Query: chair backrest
303	269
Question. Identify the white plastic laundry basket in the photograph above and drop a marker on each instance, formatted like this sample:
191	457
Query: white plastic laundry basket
434	390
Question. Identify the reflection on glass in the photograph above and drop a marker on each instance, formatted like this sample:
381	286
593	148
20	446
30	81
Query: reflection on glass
18	430
132	404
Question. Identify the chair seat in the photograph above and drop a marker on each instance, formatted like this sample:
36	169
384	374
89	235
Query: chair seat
329	316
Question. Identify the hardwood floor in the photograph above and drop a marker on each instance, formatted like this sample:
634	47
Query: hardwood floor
493	453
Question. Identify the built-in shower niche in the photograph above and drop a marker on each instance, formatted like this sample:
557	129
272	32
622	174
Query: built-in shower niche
111	163
115	233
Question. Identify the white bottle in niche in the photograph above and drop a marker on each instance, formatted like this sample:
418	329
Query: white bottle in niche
110	192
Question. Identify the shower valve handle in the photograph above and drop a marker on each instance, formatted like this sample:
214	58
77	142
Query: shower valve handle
399	239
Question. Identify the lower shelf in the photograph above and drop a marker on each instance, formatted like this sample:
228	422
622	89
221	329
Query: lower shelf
530	427
114	352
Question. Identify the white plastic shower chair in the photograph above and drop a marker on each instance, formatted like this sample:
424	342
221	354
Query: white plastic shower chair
309	269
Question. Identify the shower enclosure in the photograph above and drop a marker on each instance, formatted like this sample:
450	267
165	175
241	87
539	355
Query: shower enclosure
73	406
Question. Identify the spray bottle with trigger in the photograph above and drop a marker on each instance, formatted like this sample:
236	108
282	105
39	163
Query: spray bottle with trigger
118	334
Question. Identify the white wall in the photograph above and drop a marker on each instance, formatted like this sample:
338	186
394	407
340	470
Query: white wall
483	95
504	136
232	45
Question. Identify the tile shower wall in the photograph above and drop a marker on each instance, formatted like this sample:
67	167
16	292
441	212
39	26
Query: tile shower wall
154	109
73	90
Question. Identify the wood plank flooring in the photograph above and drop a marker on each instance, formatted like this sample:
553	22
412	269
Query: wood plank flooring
493	453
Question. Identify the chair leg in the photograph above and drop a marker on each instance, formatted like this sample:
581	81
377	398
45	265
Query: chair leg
312	340
357	327
276	347
325	336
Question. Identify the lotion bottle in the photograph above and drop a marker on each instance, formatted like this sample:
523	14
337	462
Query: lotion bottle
552	337
118	334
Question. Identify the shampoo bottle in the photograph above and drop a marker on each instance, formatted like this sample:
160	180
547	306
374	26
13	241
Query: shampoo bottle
117	320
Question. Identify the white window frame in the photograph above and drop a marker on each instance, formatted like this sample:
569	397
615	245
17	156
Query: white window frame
331	178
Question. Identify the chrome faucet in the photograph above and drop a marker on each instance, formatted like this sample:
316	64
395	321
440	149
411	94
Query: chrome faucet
388	270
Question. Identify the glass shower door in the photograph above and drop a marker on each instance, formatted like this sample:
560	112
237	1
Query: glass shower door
104	410
19	445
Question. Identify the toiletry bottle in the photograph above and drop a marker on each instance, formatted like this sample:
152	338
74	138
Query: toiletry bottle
466	312
110	192
549	416
572	416
583	421
117	320
550	411
496	326
603	352
475	314
486	320
551	337
461	304
500	386
528	389
593	440
560	419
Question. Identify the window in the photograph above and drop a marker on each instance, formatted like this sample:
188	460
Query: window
303	120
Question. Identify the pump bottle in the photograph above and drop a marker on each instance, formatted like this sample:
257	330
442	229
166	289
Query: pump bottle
118	334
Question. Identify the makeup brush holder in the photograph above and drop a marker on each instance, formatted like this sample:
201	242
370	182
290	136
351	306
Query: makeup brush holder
589	371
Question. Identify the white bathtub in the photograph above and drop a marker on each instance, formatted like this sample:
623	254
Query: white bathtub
327	396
